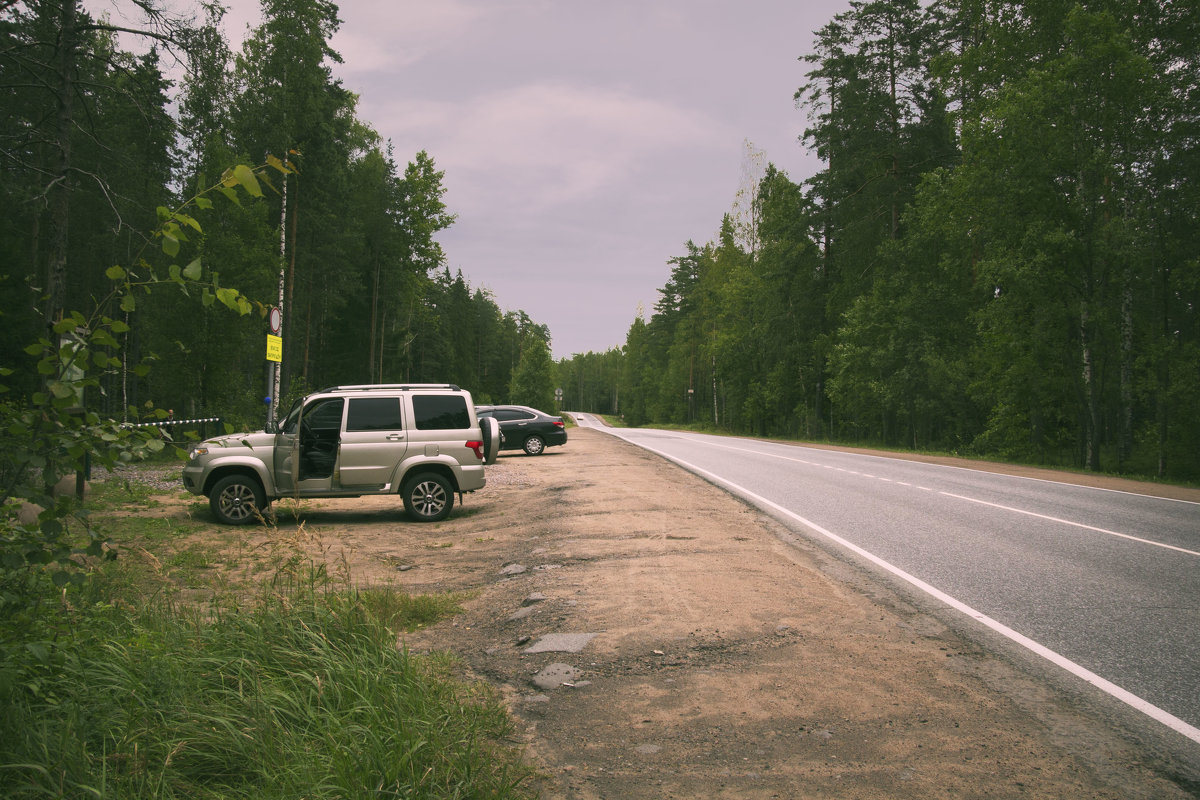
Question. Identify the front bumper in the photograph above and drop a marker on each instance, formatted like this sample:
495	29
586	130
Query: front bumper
192	475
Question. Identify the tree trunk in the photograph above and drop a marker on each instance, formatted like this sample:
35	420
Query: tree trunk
1125	435
371	361
1092	410
716	415
59	192
1161	406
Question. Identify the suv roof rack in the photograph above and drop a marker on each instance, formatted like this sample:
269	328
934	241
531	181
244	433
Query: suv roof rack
366	387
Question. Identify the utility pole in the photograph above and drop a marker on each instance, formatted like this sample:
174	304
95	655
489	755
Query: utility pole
273	366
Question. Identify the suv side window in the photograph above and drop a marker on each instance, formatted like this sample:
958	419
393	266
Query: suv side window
434	412
324	415
374	414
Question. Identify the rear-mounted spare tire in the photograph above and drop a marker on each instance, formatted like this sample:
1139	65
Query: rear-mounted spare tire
489	432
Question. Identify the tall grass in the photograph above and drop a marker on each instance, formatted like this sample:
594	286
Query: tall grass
302	694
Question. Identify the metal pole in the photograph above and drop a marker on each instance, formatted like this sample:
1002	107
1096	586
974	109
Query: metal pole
282	311
269	398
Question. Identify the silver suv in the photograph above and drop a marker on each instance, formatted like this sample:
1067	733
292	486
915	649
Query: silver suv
422	441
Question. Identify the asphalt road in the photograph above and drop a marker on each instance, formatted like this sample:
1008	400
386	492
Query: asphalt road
1103	584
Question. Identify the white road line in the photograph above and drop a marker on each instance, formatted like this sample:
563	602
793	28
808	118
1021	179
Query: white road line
1106	686
969	499
1069	522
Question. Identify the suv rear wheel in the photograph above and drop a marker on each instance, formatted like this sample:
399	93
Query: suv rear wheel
428	497
237	500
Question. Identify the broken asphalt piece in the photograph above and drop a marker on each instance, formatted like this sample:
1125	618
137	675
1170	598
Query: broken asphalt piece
561	643
554	675
520	613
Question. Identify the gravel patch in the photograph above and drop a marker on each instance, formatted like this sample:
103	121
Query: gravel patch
163	477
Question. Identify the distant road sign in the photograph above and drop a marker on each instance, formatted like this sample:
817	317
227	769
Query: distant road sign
274	348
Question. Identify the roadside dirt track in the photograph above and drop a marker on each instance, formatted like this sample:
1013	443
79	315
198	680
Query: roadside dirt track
730	658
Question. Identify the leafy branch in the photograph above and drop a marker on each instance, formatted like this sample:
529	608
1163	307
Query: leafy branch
50	434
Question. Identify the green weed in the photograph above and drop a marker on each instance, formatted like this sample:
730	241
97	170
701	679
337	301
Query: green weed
168	674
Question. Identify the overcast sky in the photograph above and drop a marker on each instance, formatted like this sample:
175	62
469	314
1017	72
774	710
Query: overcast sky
584	143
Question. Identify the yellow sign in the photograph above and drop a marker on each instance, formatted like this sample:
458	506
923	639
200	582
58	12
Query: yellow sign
274	348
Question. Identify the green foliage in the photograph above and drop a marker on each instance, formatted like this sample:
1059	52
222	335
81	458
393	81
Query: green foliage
532	381
361	282
90	302
590	382
368	237
304	694
998	257
49	434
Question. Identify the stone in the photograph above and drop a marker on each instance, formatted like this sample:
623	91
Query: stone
521	613
561	643
554	675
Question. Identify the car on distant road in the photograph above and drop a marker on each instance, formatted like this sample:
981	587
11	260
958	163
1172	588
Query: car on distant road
525	428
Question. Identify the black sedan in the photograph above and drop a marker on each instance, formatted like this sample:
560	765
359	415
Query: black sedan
524	428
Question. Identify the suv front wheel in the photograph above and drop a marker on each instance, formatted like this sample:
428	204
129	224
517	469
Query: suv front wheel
428	497
237	500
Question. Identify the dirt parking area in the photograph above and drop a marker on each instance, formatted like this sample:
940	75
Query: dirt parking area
657	638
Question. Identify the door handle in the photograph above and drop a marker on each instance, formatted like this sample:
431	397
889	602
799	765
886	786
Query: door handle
394	437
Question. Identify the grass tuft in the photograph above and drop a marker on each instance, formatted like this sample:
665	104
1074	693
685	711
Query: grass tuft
132	687
305	695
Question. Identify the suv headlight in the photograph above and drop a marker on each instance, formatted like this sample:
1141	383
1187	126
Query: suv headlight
197	452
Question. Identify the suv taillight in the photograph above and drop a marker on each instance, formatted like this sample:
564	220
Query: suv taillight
478	448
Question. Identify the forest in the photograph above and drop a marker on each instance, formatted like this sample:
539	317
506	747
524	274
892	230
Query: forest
999	258
163	192
100	145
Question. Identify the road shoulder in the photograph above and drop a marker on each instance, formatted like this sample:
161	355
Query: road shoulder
698	648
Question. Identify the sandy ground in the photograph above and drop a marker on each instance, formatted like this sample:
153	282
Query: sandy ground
720	655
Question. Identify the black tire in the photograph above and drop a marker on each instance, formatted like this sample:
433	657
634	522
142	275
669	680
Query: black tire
237	500
428	497
534	445
489	431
